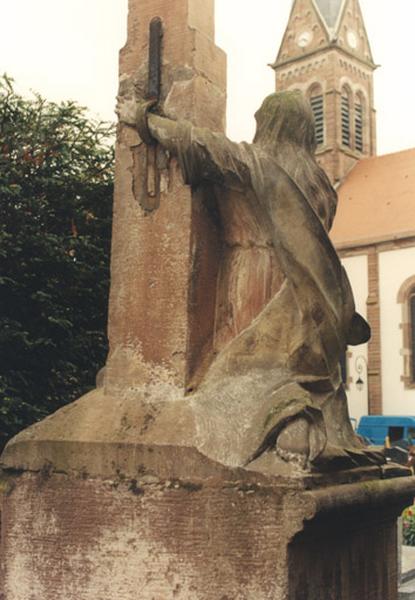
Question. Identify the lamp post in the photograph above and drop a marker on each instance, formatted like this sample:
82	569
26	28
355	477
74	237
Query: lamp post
360	366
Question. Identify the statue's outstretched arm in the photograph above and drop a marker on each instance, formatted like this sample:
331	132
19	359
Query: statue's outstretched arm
204	155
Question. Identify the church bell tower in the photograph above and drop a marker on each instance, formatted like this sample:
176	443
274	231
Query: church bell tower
325	53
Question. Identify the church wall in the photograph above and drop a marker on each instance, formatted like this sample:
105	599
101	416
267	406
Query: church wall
357	271
395	268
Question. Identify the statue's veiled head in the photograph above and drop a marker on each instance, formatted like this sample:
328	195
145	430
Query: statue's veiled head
285	117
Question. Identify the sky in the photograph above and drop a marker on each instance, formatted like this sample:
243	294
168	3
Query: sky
68	49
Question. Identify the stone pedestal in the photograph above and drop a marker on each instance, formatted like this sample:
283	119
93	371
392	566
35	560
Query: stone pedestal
89	519
110	498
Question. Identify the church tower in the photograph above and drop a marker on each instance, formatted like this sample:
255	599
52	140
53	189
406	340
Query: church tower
325	53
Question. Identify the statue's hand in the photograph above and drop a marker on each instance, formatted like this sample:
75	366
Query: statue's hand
126	110
134	113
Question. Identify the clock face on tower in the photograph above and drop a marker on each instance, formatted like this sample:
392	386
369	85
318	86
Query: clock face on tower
352	39
304	38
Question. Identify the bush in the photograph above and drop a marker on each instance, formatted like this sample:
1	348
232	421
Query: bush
56	184
408	522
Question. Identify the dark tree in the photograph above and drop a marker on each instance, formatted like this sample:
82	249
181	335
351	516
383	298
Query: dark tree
56	183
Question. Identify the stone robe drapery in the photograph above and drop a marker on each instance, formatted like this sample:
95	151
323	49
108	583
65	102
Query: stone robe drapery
286	344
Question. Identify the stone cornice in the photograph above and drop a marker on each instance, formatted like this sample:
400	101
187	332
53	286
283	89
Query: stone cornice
276	65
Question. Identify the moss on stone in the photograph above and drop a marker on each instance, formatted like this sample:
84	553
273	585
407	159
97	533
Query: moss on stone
5	485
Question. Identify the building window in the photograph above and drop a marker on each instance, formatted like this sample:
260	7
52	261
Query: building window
345	117
358	123
412	333
317	105
406	298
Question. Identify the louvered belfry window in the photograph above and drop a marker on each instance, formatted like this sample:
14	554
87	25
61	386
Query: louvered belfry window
412	334
345	114
358	124
317	106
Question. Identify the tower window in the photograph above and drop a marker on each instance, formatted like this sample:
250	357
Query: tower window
317	105
345	116
316	98
358	123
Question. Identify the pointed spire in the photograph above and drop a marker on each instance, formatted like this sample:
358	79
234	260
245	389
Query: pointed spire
330	10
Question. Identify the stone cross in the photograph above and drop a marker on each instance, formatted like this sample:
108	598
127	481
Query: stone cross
164	252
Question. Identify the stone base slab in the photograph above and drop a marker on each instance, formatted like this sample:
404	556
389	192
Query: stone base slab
115	499
233	535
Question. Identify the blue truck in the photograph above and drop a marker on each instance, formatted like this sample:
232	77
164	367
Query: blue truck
376	429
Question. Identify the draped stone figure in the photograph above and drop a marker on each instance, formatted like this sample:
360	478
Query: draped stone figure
285	310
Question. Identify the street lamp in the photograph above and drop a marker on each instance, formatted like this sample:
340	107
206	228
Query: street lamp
360	365
360	384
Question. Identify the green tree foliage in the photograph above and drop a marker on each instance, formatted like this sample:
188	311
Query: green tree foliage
408	522
56	181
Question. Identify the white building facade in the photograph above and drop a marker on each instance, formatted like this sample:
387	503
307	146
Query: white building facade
374	232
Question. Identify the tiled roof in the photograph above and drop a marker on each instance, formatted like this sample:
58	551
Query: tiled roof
377	201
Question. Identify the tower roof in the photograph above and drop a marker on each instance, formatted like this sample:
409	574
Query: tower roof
327	24
330	10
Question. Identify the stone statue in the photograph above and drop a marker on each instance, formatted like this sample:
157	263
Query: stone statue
285	315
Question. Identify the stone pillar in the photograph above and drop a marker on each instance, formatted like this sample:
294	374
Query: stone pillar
165	259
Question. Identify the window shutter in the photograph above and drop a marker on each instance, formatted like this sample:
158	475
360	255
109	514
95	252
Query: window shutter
317	105
359	126
345	115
